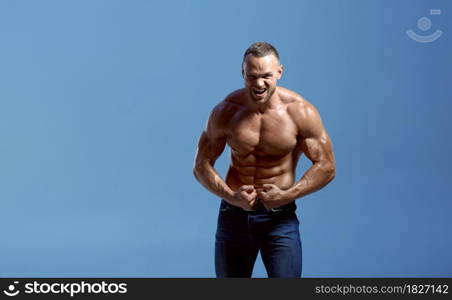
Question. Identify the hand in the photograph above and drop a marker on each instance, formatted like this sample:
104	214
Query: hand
272	196
245	197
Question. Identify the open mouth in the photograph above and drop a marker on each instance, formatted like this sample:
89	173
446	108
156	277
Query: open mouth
259	92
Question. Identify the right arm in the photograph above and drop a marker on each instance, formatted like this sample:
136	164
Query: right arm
211	144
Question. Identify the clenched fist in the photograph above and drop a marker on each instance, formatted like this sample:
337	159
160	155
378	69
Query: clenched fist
272	196
245	197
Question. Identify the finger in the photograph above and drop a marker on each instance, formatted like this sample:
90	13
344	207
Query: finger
268	186
247	188
250	197
248	193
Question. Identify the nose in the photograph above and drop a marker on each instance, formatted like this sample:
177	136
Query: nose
260	82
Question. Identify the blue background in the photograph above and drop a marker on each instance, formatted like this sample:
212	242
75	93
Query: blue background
102	104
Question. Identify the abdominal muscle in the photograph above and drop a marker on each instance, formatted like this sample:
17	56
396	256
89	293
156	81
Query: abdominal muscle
279	173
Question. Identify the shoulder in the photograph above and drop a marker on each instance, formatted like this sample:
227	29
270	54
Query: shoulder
223	111
304	114
229	106
236	96
297	105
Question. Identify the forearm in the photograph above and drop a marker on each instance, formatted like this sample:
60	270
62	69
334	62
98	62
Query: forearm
315	178
211	180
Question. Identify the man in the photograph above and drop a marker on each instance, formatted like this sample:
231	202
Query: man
267	128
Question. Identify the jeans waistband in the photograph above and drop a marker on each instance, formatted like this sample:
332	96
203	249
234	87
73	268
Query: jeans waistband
287	207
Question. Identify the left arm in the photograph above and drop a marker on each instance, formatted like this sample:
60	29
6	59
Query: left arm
317	146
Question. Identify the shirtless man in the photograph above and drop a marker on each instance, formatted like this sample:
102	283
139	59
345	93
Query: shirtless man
267	128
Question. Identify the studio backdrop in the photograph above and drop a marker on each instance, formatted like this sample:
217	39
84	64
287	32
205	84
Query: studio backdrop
102	104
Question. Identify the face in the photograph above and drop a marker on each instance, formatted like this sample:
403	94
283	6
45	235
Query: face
261	75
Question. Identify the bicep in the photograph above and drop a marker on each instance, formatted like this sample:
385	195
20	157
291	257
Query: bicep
318	149
213	140
210	147
316	144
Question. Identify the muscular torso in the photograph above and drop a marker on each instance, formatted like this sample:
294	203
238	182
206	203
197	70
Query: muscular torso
265	147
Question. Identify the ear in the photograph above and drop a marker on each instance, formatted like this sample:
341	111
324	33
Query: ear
243	73
280	71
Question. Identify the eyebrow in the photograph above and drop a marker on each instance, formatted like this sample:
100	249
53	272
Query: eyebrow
263	75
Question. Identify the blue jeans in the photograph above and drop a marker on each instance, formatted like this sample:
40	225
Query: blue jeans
241	235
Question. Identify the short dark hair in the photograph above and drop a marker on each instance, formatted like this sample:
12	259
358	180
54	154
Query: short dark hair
260	49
